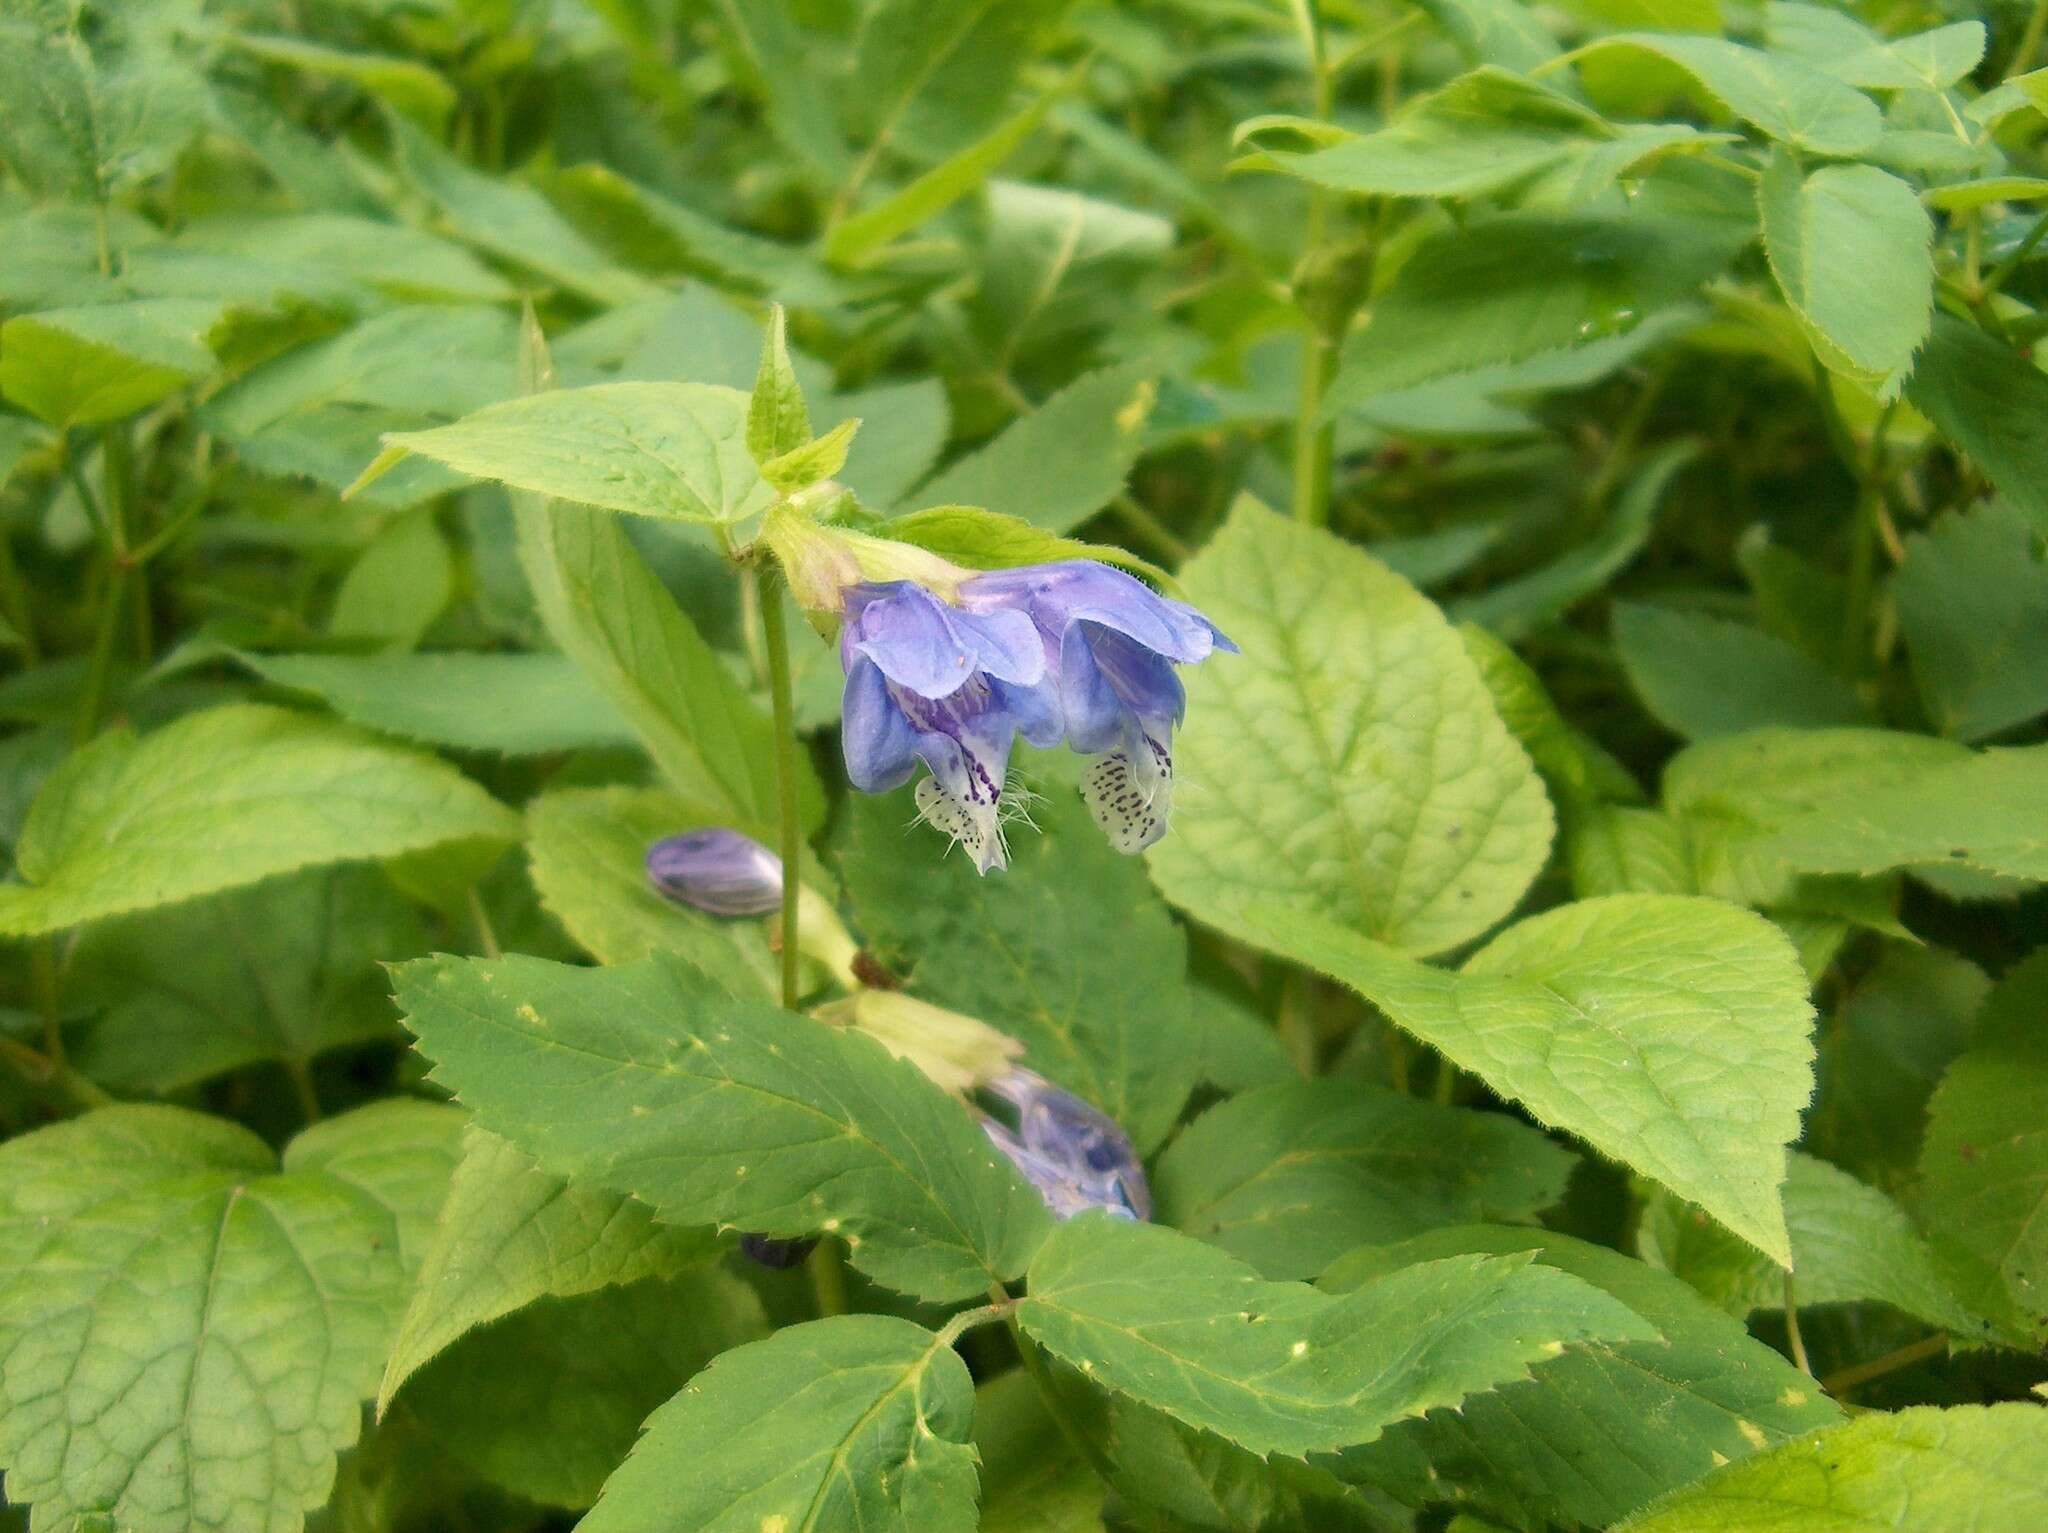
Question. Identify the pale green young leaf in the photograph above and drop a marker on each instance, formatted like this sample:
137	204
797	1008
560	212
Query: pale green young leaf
1349	763
1963	1469
225	798
512	704
1986	814
653	449
399	1153
509	1234
1283	1367
1288	1178
1836	43
855	241
1070	951
187	1332
1502	32
1066	460
397	586
1851	247
649	1079
548	1401
835	1426
1670	1033
813	461
606	610
1972	595
1989	401
83	366
285	971
1605	1427
1701	676
1619	849
587	849
1782	97
1504	289
1983	1190
777	420
1850	1245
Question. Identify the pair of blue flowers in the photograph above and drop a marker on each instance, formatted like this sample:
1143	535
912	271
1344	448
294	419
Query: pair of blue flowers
1073	651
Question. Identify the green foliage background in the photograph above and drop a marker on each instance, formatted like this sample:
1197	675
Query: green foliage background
1587	1028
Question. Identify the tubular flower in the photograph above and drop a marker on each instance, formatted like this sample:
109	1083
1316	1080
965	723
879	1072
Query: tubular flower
948	687
1075	1156
1110	645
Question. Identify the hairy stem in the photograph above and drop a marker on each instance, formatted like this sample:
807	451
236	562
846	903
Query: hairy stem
827	1268
775	637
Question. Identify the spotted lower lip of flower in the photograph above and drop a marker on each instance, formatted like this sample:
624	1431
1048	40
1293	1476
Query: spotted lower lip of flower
1083	1146
1111	645
932	683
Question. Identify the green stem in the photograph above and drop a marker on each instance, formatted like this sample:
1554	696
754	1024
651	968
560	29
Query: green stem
301	1074
1792	1335
1297	1026
827	1267
1891	1362
44	1073
1137	518
1314	439
121	573
775	636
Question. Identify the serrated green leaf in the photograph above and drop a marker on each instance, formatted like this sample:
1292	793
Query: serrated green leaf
1701	676
188	1332
1836	43
836	1426
1983	1192
225	798
936	73
675	450
407	84
1070	952
515	705
812	462
284	971
989	540
510	1234
1775	93
1348	763
397	586
83	366
588	849
1988	814
610	614
549	1400
1972	594
1487	132
1850	1244
1283	1367
647	1079
1616	849
1064	461
510	221
1501	32
1989	401
1032	1479
1606	1426
1670	1033
1289	1177
1507	288
1851	247
855	240
1958	1469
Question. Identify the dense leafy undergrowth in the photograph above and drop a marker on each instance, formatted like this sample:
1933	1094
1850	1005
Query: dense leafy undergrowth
1397	654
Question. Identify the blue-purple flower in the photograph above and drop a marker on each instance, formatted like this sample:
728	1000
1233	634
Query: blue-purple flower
1111	645
1075	1156
951	688
719	871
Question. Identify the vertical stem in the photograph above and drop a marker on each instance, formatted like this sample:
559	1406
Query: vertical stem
301	1074
1797	1341
120	572
2030	40
775	636
1297	1026
1314	439
827	1265
43	967
14	596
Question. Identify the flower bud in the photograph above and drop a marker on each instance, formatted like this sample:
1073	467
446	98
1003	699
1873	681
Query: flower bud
1083	1147
719	871
821	562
